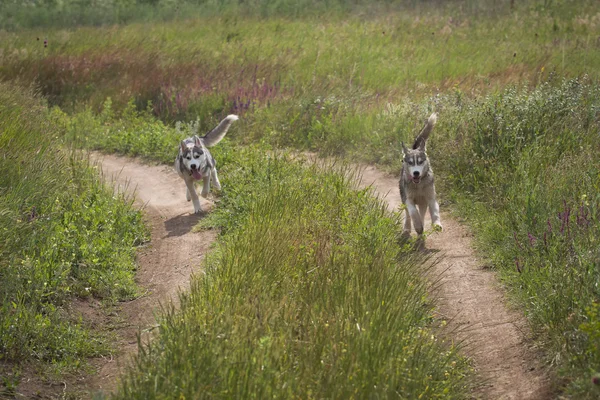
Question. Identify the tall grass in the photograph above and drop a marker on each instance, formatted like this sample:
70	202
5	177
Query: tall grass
235	63
523	167
308	295
16	14
62	235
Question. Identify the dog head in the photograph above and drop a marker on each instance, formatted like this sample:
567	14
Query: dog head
194	156
415	162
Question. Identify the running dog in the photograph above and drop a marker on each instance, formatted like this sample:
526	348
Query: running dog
195	162
416	183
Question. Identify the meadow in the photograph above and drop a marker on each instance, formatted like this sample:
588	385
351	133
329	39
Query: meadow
517	154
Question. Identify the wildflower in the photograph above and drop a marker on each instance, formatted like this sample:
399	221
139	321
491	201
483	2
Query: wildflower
545	241
532	239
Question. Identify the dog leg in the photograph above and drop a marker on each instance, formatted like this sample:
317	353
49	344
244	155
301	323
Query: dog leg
415	217
407	224
434	211
205	186
216	179
187	194
422	211
191	191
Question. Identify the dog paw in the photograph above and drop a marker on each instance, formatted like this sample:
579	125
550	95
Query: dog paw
437	227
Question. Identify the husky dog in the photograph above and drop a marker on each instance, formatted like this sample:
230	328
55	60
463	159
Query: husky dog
195	162
416	183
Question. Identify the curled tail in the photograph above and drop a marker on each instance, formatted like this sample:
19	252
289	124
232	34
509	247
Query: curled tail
424	134
218	133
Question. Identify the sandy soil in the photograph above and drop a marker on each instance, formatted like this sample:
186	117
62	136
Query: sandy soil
475	309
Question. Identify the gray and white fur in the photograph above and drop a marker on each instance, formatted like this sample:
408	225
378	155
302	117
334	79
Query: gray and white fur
417	188
194	162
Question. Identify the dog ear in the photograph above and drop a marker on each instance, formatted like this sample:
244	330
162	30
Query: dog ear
183	145
404	149
422	145
197	141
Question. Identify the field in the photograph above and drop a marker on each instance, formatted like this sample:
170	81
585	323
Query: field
303	258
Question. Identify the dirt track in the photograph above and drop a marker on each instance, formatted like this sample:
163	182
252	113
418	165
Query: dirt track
166	264
469	297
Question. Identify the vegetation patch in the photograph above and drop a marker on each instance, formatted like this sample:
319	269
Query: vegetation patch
62	235
237	61
523	168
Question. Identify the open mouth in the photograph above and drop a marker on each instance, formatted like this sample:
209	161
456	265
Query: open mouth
196	174
416	179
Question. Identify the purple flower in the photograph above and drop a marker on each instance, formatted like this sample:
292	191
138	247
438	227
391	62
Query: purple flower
532	239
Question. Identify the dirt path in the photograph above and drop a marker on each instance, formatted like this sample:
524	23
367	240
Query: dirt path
165	265
472	303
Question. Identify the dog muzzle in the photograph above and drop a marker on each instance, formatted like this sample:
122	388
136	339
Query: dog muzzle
196	174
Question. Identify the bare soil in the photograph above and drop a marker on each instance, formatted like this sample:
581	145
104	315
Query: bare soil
472	302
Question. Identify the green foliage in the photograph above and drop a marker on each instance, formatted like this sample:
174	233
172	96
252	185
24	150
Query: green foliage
62	234
133	133
308	295
523	166
230	63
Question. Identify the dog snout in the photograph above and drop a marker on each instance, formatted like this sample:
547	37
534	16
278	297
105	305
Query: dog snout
193	166
416	174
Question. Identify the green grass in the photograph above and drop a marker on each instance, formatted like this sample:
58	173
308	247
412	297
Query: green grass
355	81
523	168
287	275
62	235
308	295
234	63
521	165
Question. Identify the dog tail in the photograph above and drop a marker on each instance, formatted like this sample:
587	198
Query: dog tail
424	134
218	133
